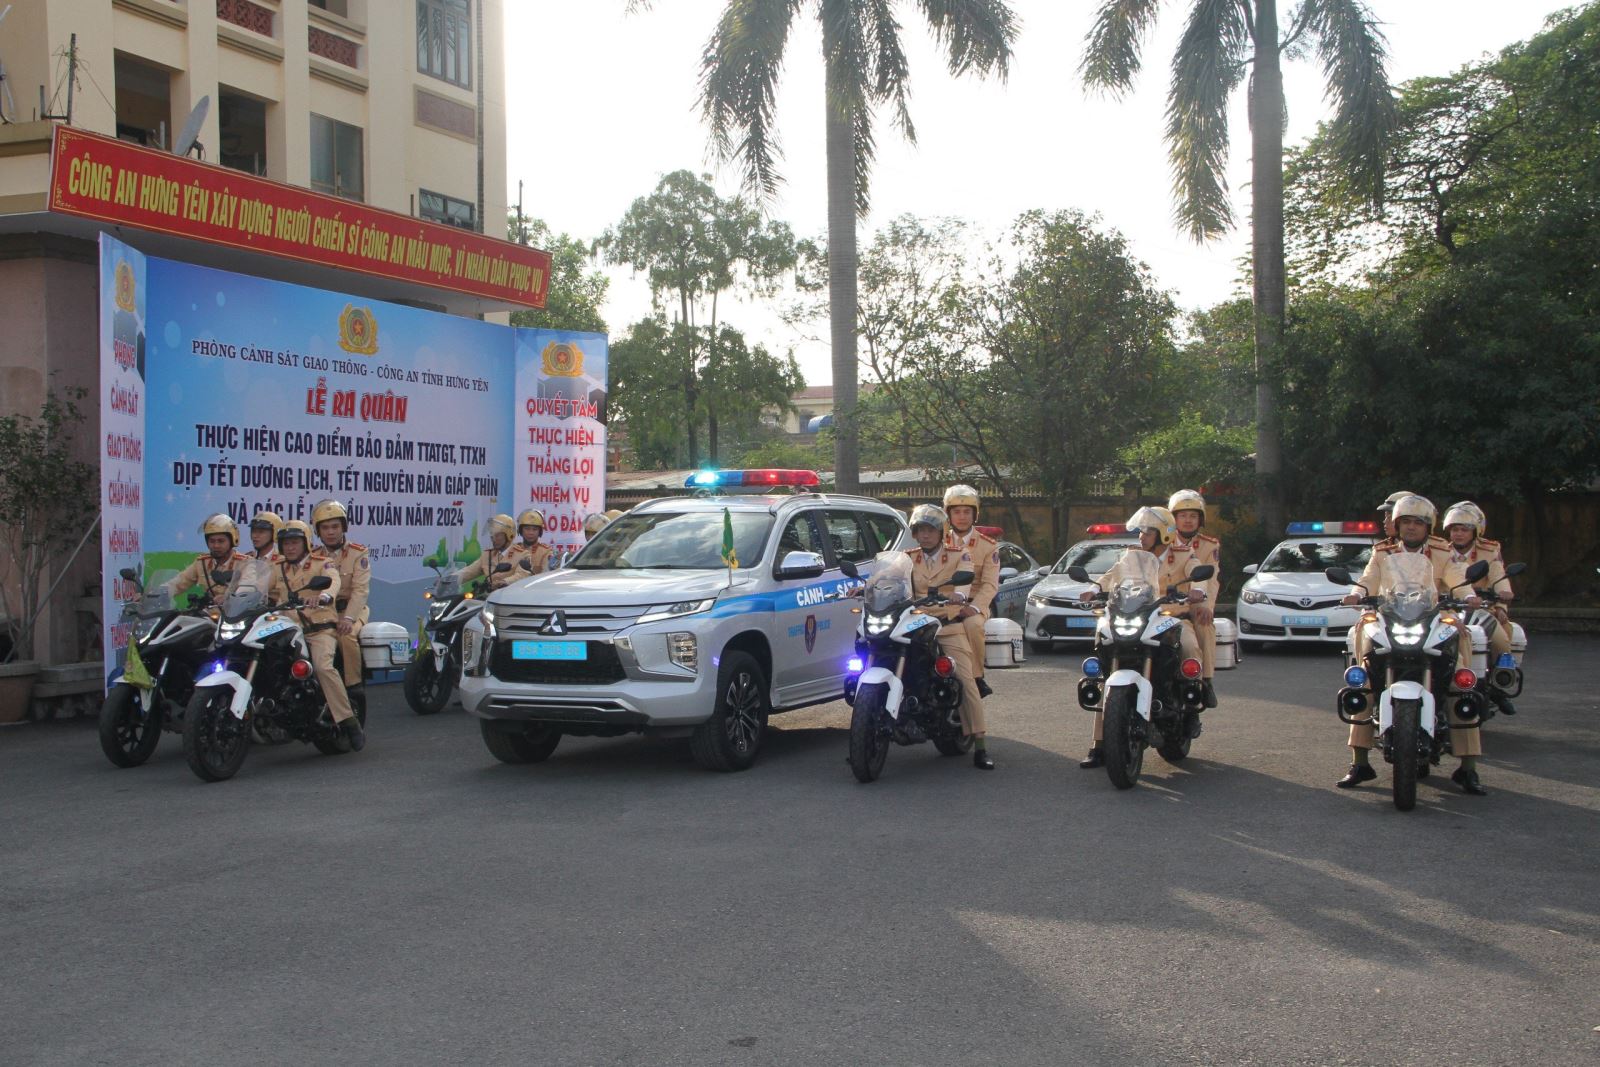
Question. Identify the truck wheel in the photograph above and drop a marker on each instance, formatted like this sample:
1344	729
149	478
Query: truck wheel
729	739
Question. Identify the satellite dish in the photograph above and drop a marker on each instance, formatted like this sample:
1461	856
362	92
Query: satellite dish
191	128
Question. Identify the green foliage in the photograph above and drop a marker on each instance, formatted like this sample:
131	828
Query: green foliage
1193	452
47	501
576	293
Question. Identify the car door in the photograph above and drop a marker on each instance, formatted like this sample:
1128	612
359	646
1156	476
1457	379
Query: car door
823	632
795	672
1010	601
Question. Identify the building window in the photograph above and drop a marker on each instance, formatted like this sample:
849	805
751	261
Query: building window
337	7
336	158
144	102
436	207
444	40
242	128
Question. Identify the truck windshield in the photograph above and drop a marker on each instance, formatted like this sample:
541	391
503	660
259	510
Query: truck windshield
664	540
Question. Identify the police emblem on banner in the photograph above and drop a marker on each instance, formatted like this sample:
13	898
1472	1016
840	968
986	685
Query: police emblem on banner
811	633
125	295
563	359
358	331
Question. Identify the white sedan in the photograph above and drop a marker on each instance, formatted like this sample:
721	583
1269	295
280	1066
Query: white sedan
1055	615
1288	599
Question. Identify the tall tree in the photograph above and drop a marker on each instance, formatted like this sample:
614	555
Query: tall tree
693	246
865	68
1222	42
577	291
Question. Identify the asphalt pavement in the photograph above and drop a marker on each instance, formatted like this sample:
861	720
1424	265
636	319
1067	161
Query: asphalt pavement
421	903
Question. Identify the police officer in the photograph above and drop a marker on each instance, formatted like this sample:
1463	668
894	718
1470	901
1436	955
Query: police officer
1386	512
1410	556
264	527
1157	554
593	524
1188	509
934	562
332	523
297	565
1463	527
212	569
501	550
961	508
535	557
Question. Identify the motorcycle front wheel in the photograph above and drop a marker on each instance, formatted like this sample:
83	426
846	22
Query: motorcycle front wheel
428	688
1403	742
868	747
129	734
215	740
1123	748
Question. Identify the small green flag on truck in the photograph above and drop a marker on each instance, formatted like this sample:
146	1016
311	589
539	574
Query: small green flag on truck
729	556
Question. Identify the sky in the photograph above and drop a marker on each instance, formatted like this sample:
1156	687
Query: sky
602	104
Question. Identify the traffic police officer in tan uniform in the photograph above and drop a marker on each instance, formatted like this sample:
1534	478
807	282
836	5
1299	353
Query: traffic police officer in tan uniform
1413	523
1188	509
332	523
264	527
961	508
536	555
934	562
297	565
218	561
501	550
1157	538
593	524
1463	527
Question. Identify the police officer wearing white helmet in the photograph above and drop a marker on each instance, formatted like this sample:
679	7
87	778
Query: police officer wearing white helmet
1188	509
961	509
1463	526
934	562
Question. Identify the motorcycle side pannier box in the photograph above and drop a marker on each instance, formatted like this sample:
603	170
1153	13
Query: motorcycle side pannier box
1519	642
1002	643
385	646
1227	644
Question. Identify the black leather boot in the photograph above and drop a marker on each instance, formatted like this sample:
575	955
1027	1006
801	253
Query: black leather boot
983	689
351	728
1468	781
1359	772
1208	694
981	760
1096	758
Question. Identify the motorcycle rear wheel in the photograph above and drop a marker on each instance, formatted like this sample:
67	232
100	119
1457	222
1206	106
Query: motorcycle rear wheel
1403	745
868	747
215	741
1177	751
1124	750
428	689
129	735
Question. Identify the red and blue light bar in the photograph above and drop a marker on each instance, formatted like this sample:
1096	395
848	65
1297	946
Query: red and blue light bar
1106	528
747	479
1303	529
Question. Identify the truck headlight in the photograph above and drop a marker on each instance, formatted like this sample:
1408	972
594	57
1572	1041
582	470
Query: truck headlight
1251	596
659	612
683	651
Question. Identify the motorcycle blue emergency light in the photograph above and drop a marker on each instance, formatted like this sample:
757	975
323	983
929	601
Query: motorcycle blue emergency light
1091	668
1506	660
1355	677
218	667
854	665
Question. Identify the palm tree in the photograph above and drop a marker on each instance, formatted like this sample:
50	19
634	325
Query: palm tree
865	68
1224	41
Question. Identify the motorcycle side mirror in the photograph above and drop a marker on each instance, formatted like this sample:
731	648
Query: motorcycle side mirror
319	583
960	578
1478	571
1077	573
502	568
129	574
1514	569
850	570
1338	576
527	565
222	577
1202	573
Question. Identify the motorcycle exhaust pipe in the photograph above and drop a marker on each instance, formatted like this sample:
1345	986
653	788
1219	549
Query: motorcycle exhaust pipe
1352	703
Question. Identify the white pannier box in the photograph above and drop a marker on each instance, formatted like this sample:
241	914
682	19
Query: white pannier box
1002	643
385	646
1227	644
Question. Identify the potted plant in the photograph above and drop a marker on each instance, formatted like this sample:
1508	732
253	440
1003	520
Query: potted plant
48	500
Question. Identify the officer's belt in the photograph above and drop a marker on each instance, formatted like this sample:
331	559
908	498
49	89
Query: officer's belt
315	627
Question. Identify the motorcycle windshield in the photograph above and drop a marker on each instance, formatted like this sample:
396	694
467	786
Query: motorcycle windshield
157	598
252	580
1132	596
1409	602
890	583
448	585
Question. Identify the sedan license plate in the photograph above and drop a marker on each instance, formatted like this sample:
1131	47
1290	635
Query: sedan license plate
1080	624
1305	620
568	650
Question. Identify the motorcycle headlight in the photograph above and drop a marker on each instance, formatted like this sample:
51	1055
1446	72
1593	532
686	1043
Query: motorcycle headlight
1253	596
145	628
1126	627
1408	635
436	608
879	624
230	631
676	611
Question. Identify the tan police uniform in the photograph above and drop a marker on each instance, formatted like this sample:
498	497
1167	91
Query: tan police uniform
484	566
985	553
199	574
535	559
270	555
926	573
355	580
1205	549
318	622
1175	562
1377	579
1455	566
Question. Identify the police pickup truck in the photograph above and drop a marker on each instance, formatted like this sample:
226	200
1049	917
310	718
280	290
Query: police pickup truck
649	629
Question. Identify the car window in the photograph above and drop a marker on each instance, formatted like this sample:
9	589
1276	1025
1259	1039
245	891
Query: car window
799	535
1314	557
884	527
1011	556
848	537
1096	557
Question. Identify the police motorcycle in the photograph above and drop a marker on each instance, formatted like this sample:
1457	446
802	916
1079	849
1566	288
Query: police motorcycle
167	647
1412	639
1151	694
433	673
1505	675
900	687
262	674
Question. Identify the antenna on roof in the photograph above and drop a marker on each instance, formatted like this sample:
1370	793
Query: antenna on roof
189	139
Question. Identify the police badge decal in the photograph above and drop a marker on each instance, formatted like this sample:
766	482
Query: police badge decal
358	330
811	633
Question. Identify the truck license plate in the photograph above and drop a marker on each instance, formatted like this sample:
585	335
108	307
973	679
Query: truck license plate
569	650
